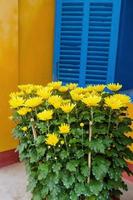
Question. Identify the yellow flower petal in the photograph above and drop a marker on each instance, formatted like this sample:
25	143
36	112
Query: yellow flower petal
92	100
114	86
23	111
52	139
55	101
113	102
67	108
16	102
45	115
33	102
64	128
24	128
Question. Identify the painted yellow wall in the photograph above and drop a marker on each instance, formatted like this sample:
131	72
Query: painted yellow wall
8	67
33	63
36	40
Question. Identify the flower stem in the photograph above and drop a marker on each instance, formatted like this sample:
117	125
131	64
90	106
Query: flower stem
66	143
68	120
82	138
33	128
90	138
109	122
48	126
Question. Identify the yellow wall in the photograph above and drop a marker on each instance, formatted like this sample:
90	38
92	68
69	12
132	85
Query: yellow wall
36	40
8	67
36	28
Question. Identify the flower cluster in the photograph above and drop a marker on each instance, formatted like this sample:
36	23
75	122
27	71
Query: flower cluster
71	139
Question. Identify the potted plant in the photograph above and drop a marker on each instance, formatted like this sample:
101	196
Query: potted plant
73	140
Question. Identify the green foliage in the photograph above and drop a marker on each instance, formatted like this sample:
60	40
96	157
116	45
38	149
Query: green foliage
61	171
100	167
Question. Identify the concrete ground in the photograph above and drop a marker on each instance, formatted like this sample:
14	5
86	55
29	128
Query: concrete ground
13	184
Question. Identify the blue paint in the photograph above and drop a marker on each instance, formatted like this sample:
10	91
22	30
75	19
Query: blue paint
124	68
89	36
129	93
56	39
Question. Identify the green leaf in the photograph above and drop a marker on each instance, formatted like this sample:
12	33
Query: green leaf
41	151
42	127
22	147
71	165
56	167
54	193
100	167
96	187
97	146
44	191
120	162
73	196
63	154
84	170
43	170
99	118
32	182
68	180
79	154
51	180
33	156
40	140
80	189
115	173
80	177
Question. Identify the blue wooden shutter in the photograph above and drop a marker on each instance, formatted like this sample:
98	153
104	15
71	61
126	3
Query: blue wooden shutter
68	40
86	34
103	31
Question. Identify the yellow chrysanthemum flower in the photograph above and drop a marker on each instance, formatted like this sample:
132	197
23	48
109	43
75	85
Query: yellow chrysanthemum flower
82	124
76	96
123	98
45	115
114	86
90	88
16	102
52	139
67	108
28	88
72	86
24	128
99	88
23	111
44	93
92	100
55	101
17	94
37	87
55	85
64	128
80	90
63	89
33	102
113	102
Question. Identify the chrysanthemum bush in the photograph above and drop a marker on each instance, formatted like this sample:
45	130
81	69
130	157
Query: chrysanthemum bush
74	141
